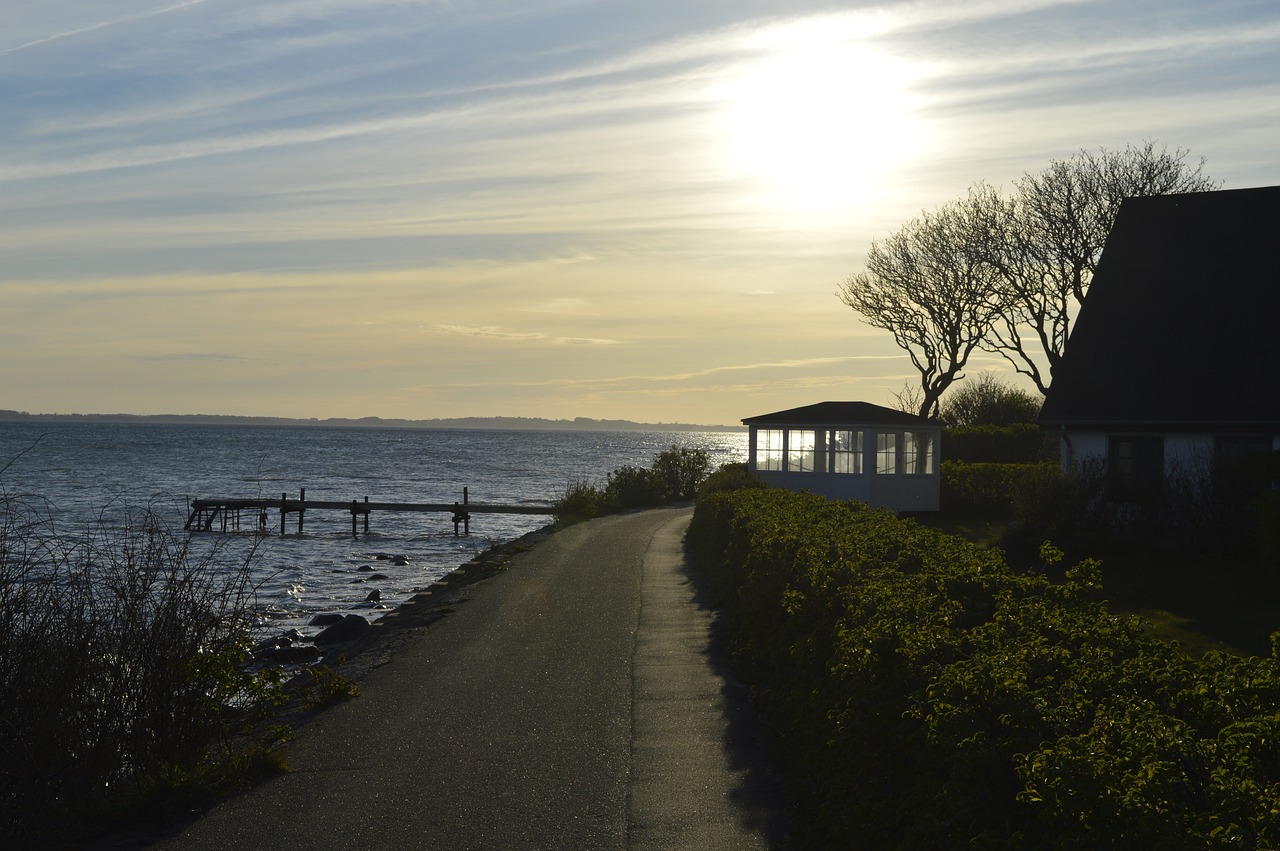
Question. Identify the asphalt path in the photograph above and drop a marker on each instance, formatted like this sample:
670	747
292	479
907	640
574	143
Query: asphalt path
577	698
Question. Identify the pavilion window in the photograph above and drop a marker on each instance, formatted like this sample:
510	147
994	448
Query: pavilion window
846	452
887	454
801	450
769	449
917	452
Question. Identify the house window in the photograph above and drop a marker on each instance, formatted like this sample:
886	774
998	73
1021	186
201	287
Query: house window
917	452
846	452
887	454
1135	468
801	450
769	449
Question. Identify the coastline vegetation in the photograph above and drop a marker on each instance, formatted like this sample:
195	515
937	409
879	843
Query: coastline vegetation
675	476
127	699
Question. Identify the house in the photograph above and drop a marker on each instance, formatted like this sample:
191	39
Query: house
1172	365
849	450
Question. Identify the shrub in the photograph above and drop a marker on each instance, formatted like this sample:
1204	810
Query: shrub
635	487
729	477
932	697
676	474
581	501
121	666
988	401
680	471
1020	443
1014	491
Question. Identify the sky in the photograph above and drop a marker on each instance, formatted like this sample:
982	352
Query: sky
541	208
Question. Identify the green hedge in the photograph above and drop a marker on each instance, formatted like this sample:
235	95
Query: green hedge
1007	490
1020	443
928	696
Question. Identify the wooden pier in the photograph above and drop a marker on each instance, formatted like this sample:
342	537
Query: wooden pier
228	513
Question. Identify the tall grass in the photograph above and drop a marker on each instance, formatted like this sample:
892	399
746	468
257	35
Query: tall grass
121	668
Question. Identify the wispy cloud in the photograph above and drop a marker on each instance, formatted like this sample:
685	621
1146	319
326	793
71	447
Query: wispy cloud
198	357
494	333
126	19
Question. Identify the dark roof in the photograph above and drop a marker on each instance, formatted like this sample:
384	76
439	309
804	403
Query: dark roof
841	413
1179	327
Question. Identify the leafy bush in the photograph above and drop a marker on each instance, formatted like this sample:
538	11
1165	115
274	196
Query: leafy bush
932	697
680	471
635	487
582	501
1020	443
988	401
676	474
1004	490
735	476
121	666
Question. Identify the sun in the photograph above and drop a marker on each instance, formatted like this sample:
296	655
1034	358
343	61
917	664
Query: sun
819	120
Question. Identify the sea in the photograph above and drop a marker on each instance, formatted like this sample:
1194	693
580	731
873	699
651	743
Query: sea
98	476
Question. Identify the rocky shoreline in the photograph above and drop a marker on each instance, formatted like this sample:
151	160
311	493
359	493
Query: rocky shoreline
357	645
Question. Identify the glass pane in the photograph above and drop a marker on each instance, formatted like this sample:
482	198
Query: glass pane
887	454
846	452
917	452
800	450
769	449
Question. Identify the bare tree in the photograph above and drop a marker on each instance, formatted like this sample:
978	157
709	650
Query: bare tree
931	286
1047	238
909	399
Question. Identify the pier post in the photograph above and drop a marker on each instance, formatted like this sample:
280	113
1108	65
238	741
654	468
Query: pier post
283	497
366	516
302	502
353	518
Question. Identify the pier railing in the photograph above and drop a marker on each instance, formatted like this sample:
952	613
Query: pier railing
228	514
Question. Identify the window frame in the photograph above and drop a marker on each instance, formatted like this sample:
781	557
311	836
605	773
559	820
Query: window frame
808	450
769	452
836	453
886	448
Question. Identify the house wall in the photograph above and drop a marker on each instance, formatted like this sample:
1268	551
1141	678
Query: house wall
1183	451
898	491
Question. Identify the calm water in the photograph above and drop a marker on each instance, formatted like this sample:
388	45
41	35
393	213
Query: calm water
103	473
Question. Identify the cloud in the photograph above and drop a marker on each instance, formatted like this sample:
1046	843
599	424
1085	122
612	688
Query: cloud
101	25
495	333
199	357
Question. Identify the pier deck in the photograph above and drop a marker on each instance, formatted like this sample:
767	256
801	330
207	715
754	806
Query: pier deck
205	513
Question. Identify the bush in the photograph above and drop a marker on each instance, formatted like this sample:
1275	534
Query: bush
1013	491
988	401
635	487
676	474
1021	443
581	501
932	697
729	477
121	666
680	471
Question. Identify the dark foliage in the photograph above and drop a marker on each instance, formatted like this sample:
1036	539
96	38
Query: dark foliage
928	696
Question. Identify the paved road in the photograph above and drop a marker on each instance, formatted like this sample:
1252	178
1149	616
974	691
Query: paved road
575	700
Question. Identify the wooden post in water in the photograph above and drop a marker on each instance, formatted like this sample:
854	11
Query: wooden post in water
366	516
302	501
283	513
460	515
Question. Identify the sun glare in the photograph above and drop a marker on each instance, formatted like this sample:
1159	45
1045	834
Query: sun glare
818	120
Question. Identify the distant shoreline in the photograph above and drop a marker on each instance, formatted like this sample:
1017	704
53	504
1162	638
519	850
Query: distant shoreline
514	423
